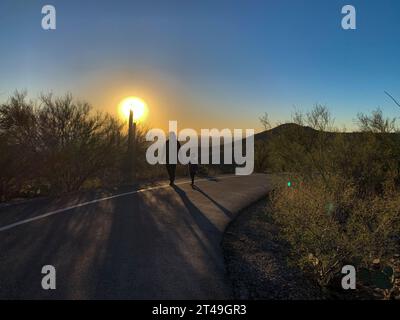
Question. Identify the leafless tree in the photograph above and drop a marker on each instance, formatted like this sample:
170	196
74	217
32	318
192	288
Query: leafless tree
265	122
376	122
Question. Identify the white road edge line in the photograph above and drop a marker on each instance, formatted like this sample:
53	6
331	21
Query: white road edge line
48	214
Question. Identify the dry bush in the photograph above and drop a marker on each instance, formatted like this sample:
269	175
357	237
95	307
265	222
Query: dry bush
18	145
76	144
330	227
345	206
57	144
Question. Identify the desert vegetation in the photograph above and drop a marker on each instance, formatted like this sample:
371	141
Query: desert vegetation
54	145
342	205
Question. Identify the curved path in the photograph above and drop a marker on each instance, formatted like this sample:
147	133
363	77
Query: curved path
156	243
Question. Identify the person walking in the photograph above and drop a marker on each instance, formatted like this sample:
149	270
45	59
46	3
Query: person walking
193	168
171	167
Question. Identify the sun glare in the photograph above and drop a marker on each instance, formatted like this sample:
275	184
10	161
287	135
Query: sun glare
137	105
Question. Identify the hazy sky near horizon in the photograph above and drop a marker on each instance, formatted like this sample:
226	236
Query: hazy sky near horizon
207	63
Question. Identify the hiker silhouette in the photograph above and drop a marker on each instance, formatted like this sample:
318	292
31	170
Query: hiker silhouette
171	166
193	167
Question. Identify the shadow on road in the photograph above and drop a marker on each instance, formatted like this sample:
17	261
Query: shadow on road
202	221
160	248
152	245
222	208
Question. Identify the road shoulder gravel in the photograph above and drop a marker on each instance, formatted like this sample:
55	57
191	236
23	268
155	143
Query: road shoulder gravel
256	260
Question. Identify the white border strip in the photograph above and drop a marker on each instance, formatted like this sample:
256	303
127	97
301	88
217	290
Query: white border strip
51	213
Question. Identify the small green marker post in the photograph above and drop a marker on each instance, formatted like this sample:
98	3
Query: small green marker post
289	184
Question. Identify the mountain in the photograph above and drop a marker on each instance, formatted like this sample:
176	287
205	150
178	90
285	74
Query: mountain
283	128
308	131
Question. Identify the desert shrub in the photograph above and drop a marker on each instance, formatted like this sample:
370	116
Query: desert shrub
330	227
54	145
18	145
312	147
262	156
76	144
343	205
57	144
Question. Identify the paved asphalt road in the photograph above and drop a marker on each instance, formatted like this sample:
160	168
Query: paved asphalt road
160	243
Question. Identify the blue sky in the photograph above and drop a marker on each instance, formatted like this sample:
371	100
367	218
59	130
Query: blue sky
207	63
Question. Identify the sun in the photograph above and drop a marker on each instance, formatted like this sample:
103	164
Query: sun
137	105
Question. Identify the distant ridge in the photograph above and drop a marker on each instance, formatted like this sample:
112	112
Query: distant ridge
293	127
283	128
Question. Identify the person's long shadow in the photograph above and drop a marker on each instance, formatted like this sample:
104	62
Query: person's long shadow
202	221
219	206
